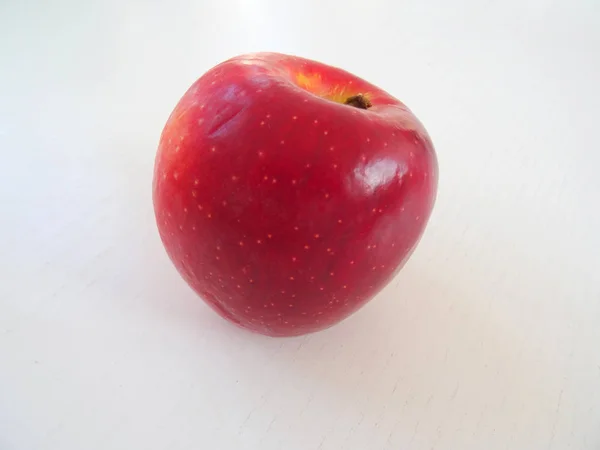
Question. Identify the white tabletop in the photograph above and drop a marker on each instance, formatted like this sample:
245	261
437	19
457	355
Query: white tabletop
488	339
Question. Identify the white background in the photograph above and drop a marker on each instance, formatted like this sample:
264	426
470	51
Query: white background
488	339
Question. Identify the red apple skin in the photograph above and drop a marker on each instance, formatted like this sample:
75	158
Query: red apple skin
285	210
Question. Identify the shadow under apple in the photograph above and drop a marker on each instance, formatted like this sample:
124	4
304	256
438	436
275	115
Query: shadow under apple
422	363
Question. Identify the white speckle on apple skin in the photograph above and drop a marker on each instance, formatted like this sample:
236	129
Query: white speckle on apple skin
213	149
200	121
176	175
261	153
196	182
294	117
332	148
315	121
268	115
325	132
282	142
200	207
262	123
368	139
291	278
258	241
185	210
241	243
177	149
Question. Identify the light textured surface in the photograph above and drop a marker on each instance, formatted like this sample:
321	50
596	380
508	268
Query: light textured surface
490	337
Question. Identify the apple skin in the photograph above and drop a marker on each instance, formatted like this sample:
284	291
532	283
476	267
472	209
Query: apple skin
283	208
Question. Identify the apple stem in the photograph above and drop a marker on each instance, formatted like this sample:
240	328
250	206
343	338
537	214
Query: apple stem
358	101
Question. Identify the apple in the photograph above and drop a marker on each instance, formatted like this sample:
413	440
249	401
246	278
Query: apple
288	193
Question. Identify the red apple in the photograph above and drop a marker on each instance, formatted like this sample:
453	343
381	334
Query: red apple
288	193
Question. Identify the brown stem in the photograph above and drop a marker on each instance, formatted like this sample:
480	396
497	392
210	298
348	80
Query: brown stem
358	101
